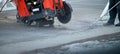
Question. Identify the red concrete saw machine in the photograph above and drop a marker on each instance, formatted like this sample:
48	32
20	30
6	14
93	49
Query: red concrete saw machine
43	12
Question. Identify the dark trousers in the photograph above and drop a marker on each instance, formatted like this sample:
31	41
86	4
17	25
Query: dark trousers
114	11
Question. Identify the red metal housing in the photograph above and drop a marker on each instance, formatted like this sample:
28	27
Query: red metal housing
47	4
22	8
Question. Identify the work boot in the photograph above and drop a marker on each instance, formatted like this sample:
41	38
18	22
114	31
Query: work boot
108	24
117	24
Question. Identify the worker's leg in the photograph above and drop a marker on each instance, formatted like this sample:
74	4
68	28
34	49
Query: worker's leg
113	12
118	11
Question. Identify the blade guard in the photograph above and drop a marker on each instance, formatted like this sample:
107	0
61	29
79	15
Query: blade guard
68	12
49	4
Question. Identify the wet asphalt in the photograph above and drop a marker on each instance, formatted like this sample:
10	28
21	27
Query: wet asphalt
106	44
85	12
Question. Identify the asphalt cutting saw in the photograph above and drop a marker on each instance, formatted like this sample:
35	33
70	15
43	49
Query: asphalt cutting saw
42	12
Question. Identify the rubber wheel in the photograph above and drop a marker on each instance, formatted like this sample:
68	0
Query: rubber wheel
42	22
26	21
67	16
51	22
23	20
18	18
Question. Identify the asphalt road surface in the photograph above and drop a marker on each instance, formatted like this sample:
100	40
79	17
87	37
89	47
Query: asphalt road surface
106	44
85	12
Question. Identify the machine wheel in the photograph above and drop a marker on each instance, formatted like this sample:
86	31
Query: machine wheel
18	18
51	22
42	22
24	20
27	22
67	14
